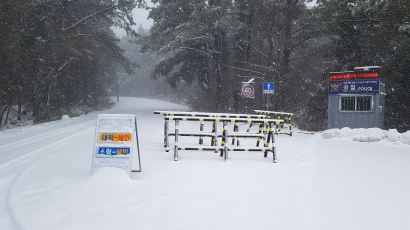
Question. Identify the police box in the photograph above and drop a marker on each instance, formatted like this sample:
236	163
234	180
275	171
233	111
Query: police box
356	98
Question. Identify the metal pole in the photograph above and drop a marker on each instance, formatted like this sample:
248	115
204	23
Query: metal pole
225	137
176	140
166	136
267	101
138	148
224	140
267	142
201	128
273	149
213	131
235	129
215	139
259	132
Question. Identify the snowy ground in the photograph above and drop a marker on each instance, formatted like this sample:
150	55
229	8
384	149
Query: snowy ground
322	181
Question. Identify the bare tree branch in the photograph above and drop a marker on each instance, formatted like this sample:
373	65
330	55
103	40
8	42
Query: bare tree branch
363	20
269	68
265	55
78	35
66	63
200	51
247	70
95	14
305	56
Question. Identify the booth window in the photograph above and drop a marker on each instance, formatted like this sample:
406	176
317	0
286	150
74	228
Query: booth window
348	104
356	103
364	103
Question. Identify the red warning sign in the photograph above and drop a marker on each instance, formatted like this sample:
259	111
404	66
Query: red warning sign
248	90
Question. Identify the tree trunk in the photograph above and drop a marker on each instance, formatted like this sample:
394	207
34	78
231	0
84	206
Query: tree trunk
35	100
7	116
117	89
4	110
249	35
285	67
2	114
19	108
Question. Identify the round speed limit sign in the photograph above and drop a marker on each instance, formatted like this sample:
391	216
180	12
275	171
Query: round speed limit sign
248	90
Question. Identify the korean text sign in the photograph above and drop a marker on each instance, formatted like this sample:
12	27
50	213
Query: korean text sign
354	87
115	142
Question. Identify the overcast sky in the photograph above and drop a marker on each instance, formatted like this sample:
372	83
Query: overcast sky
140	17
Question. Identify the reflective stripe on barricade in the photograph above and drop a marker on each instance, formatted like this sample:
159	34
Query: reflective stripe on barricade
202	114
279	115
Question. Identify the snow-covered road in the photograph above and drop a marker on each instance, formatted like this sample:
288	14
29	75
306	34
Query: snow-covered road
317	184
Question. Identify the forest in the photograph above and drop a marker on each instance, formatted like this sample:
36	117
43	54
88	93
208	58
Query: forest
59	56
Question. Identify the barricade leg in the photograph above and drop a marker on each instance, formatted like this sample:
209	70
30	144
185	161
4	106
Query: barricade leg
213	131
176	140
237	139
249	128
273	136
235	129
224	139
166	136
280	127
267	142
260	131
274	153
201	128
290	128
215	137
273	148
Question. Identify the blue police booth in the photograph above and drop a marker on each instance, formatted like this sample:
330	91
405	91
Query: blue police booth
356	99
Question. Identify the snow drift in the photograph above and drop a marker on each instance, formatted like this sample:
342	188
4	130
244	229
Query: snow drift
368	135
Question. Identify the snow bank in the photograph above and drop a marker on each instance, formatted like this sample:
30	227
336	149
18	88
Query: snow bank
65	117
368	135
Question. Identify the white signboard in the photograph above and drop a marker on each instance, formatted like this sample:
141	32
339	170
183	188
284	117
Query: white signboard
116	142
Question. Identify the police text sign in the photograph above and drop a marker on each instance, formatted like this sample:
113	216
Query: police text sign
354	87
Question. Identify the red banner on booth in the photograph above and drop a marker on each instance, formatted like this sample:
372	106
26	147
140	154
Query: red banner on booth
345	76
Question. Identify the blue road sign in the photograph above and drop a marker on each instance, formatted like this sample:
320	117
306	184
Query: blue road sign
268	87
354	87
113	151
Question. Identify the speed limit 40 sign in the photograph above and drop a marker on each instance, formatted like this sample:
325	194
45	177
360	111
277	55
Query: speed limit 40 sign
248	90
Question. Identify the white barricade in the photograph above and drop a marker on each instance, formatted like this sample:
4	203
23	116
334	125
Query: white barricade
116	143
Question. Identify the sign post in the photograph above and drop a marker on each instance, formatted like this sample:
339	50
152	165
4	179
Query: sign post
268	88
248	91
116	143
